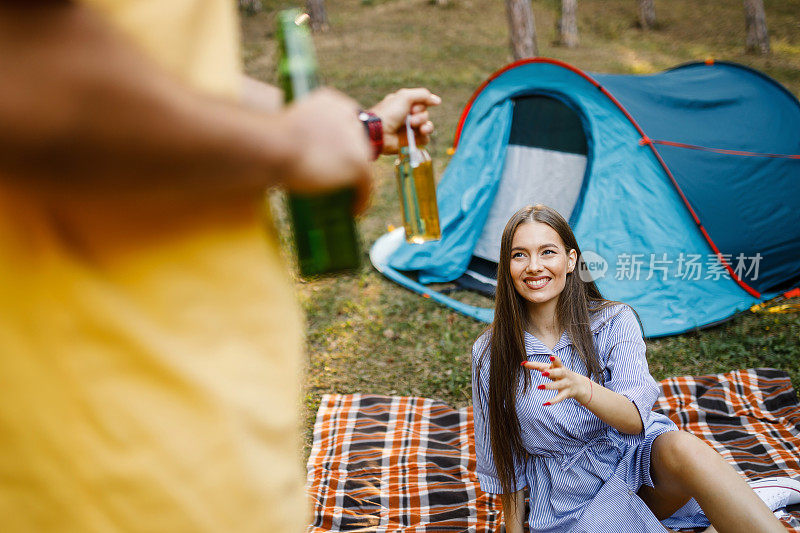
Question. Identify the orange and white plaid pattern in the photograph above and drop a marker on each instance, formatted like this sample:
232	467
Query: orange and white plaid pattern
751	417
381	463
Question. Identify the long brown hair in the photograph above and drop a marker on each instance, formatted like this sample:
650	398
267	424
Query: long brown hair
575	306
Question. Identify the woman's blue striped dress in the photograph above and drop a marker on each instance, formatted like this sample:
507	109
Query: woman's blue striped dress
583	474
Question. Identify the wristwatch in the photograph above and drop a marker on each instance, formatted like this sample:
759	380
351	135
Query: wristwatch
374	127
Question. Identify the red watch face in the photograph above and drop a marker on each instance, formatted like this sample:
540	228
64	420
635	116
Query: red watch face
374	128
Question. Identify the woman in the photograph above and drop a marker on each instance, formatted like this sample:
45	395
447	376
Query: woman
573	422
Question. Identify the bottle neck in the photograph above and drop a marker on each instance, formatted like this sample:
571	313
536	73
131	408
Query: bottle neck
297	65
402	141
415	154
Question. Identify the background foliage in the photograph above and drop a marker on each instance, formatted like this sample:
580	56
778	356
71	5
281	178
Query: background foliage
366	334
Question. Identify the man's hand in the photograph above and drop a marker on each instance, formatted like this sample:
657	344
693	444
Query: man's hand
393	110
332	151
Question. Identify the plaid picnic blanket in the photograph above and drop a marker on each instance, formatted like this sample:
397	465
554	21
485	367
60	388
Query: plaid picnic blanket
382	463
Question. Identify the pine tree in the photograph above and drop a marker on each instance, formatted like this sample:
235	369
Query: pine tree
756	24
319	17
647	14
568	26
522	30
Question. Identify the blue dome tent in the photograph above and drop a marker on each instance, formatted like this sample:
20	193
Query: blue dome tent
682	187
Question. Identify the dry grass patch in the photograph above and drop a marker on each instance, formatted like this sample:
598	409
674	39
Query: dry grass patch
365	334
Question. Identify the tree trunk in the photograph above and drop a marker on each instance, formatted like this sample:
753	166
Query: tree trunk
250	7
568	26
319	17
647	14
521	28
756	24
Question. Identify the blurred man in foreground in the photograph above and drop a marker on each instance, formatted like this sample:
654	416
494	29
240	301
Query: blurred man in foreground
150	342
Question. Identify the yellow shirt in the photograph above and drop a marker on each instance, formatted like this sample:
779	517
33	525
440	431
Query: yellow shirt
150	355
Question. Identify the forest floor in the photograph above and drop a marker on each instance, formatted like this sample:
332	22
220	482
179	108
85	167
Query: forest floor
366	334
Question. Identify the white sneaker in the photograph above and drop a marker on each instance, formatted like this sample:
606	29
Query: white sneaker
777	492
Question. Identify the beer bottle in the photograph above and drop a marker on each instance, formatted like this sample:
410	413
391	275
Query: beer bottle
417	189
325	236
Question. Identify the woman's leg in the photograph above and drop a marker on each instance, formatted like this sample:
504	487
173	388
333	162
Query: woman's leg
683	467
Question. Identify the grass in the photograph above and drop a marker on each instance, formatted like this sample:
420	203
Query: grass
366	334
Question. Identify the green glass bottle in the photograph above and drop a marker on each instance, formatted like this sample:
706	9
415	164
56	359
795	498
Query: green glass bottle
325	236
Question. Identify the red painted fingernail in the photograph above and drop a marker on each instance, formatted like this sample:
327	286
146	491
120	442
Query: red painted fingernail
545	374
523	363
546	403
540	387
552	357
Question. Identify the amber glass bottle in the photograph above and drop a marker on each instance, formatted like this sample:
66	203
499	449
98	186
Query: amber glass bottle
417	190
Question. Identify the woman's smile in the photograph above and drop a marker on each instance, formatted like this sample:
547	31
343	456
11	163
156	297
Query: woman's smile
536	283
539	263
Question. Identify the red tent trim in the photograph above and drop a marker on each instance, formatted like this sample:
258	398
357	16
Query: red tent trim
644	140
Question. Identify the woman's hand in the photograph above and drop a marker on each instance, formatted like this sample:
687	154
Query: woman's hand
569	384
610	407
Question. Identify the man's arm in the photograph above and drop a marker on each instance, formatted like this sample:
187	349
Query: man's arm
80	107
256	94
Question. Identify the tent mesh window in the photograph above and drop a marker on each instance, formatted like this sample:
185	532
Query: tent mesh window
545	163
